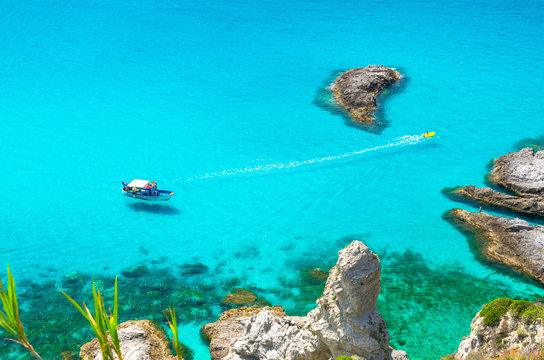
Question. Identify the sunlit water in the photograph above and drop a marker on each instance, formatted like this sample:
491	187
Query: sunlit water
223	103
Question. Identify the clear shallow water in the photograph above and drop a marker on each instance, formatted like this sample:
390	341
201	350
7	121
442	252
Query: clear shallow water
195	94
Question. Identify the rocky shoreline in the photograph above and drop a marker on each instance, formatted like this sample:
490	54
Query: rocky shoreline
512	242
345	323
356	90
522	174
507	328
504	328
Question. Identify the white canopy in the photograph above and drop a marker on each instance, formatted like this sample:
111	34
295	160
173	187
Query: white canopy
138	183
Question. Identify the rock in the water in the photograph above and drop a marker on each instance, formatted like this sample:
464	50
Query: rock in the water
521	172
239	296
140	340
356	89
525	205
512	242
346	321
505	327
135	271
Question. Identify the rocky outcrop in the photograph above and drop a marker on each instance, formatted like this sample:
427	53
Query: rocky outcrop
505	327
346	321
356	89
140	340
230	327
512	242
528	205
520	172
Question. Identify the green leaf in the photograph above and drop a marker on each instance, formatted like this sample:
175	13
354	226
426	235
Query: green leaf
76	305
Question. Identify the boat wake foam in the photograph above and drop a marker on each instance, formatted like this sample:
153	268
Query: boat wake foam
400	141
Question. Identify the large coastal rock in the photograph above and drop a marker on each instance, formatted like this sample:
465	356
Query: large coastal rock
505	327
346	321
356	89
520	172
140	340
512	242
529	205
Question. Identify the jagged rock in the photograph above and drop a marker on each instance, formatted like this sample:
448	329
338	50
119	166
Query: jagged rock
525	205
512	242
346	321
356	89
505	326
521	172
229	327
140	340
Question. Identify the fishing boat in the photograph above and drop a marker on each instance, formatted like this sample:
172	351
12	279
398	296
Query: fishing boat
145	190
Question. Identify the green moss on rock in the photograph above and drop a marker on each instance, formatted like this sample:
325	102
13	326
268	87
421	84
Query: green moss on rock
527	311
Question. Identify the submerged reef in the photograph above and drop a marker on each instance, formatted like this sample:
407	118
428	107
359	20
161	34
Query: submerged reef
356	90
54	326
505	328
345	322
512	242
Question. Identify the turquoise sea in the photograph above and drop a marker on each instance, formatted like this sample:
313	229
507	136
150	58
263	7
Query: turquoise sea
225	103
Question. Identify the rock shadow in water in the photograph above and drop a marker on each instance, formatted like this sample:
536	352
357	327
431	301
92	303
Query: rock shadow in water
325	100
161	209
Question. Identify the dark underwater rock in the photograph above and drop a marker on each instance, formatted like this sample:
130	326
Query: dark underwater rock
135	271
193	269
512	242
356	90
239	296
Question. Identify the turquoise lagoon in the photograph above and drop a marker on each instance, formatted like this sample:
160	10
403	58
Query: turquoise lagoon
224	103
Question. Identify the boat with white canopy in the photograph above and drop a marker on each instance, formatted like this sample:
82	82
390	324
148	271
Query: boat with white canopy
145	190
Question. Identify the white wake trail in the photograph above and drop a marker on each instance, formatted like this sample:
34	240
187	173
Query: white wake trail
403	140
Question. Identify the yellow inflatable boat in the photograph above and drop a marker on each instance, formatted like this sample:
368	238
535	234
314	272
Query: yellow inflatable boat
428	134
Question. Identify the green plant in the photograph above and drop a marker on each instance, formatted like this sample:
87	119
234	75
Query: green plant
9	317
101	323
170	315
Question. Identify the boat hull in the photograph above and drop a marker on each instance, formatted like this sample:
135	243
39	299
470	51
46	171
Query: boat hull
164	195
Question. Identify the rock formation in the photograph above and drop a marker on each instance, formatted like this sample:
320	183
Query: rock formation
346	321
528	205
520	172
505	327
513	242
140	340
356	89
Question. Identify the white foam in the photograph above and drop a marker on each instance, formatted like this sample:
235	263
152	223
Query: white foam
400	141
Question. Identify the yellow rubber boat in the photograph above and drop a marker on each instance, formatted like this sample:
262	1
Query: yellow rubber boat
428	134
